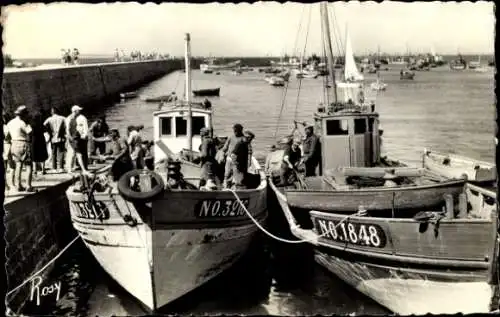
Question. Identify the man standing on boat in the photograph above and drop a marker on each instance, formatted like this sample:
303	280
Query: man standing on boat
289	165
120	154
207	156
249	137
98	130
228	148
239	159
312	151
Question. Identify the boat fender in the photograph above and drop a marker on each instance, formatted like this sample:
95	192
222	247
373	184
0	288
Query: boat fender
124	186
129	220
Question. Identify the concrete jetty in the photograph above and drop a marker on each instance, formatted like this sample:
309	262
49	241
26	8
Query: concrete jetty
85	85
38	225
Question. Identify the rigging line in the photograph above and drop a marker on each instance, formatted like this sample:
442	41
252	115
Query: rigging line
324	44
283	98
340	45
303	54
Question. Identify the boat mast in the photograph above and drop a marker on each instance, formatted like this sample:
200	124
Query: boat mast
188	91
327	41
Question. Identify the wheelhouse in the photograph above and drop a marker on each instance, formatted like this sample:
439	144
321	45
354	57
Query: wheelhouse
171	127
349	137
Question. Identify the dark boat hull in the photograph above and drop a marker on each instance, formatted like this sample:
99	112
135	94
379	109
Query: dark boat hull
398	198
206	92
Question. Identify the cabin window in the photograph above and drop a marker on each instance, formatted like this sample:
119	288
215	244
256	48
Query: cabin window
180	126
359	126
198	123
337	127
166	126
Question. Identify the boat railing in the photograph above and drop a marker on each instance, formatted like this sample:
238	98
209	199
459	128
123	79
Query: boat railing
482	201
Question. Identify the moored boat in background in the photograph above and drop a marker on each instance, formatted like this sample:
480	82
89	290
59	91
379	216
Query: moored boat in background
207	92
455	167
128	95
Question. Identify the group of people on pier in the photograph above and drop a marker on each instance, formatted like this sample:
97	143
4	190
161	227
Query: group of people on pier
70	57
28	139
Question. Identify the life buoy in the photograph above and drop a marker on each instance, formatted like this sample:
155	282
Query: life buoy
135	196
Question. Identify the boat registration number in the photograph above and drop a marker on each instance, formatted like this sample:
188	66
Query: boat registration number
95	210
364	234
218	208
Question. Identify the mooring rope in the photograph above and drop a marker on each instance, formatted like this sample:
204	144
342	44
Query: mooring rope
359	213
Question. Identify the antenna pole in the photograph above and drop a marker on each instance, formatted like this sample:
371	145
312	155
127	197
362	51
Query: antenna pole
188	91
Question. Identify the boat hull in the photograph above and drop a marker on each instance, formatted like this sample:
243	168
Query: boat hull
398	198
162	250
206	92
454	167
407	292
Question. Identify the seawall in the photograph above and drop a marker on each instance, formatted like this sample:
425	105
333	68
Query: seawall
85	85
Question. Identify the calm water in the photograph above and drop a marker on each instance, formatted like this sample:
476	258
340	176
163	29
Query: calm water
441	110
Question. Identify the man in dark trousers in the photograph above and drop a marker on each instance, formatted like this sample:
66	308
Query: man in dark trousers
312	151
291	159
207	156
239	162
227	150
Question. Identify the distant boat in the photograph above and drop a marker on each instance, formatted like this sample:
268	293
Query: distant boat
207	92
378	85
164	98
276	81
128	95
458	64
406	75
209	66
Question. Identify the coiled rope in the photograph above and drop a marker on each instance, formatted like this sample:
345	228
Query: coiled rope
359	213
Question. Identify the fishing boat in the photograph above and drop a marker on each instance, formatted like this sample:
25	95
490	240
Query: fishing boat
209	66
206	92
458	64
128	95
163	98
276	81
406	74
394	240
378	85
455	167
170	236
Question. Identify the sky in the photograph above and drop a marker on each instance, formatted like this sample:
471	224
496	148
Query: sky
259	29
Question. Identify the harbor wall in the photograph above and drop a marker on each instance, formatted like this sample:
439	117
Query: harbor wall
37	227
85	85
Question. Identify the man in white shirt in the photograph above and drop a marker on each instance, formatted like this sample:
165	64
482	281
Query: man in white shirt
55	124
20	135
77	130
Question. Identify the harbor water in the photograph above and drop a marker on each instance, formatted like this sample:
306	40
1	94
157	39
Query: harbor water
441	110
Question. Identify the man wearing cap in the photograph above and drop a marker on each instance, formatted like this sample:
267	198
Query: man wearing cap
239	162
20	133
97	131
119	152
291	159
228	150
312	151
207	156
249	137
77	130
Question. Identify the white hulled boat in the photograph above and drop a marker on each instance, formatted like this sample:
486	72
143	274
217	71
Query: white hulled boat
170	236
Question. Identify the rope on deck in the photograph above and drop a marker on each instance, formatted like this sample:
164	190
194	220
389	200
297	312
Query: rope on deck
359	213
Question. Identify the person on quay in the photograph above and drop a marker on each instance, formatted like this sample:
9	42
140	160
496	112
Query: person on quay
77	135
134	142
97	131
208	151
119	152
207	104
239	163
227	150
20	133
249	138
38	144
312	151
55	125
290	163
7	156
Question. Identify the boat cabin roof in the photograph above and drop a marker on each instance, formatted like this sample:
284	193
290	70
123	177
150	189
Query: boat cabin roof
181	106
345	110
